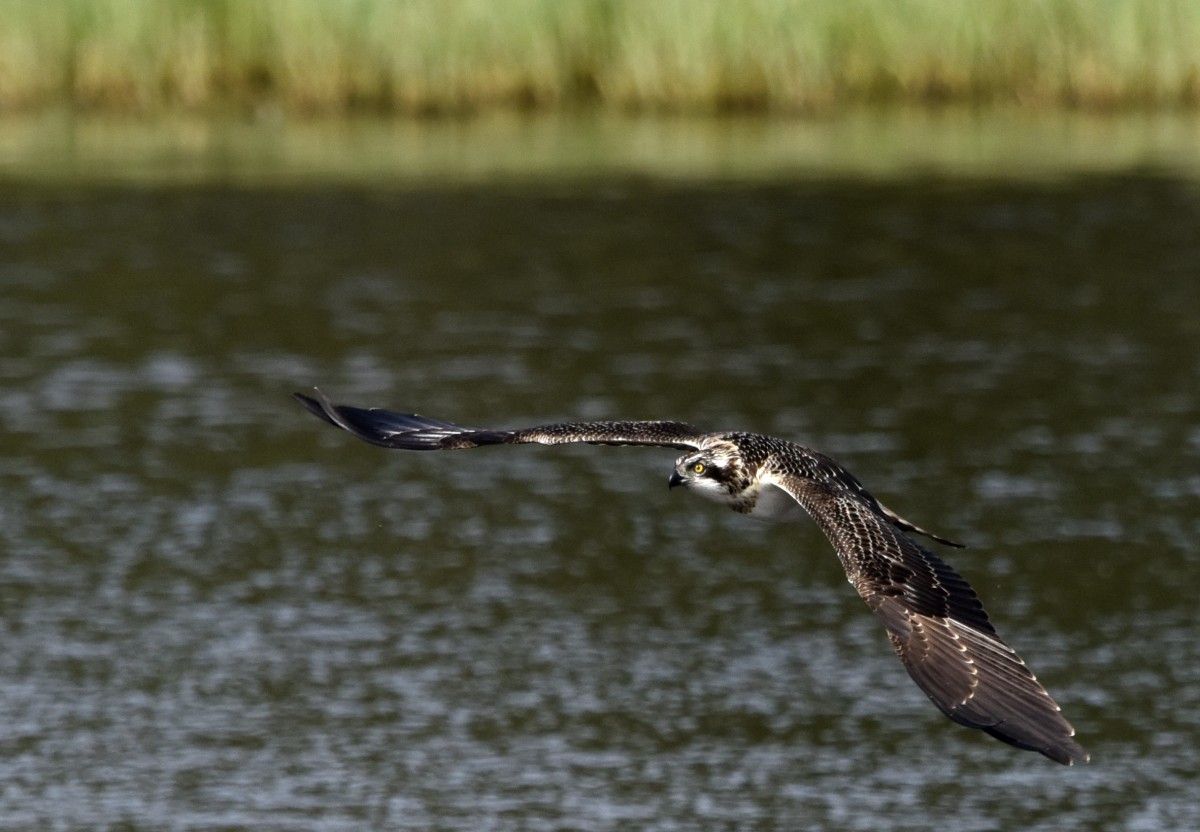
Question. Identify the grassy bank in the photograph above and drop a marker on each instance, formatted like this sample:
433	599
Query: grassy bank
425	56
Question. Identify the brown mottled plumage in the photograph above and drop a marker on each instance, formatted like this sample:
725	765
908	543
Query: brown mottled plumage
935	620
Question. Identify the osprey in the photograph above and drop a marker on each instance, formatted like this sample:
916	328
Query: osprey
935	620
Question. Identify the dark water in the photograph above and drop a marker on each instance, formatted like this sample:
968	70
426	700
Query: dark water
220	614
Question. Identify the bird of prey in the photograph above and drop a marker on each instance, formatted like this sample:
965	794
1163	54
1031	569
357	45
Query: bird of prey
935	620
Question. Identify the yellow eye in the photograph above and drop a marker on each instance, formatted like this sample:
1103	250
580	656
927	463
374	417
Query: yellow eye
698	467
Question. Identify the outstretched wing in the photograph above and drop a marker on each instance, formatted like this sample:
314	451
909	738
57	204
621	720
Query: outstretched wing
411	432
937	624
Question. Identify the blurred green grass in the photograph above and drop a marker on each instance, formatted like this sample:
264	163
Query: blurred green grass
461	56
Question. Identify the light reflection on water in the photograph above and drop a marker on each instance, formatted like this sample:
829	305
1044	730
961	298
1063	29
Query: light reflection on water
220	614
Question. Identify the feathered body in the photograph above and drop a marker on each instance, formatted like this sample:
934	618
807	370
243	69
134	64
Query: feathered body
935	620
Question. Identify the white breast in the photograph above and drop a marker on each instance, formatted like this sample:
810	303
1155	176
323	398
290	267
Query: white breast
774	505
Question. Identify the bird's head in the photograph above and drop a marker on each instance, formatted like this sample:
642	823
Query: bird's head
713	472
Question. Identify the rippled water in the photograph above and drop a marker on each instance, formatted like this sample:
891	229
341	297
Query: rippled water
220	614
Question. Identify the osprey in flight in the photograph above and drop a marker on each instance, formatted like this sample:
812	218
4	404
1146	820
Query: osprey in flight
935	620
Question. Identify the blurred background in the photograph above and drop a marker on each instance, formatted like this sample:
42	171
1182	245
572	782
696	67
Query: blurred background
954	245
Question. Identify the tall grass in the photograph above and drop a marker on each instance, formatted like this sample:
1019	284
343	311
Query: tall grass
677	55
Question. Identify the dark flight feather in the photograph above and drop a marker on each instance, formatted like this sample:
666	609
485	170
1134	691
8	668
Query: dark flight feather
408	431
938	626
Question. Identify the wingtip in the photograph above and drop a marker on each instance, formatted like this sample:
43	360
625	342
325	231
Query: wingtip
1071	758
1076	753
319	405
1067	749
306	399
1062	750
339	416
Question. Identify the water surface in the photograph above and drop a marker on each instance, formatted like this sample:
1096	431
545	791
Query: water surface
221	614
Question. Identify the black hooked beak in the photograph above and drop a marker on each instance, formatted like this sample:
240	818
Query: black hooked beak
675	480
